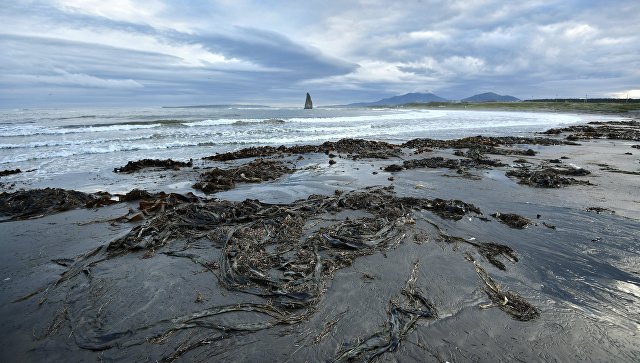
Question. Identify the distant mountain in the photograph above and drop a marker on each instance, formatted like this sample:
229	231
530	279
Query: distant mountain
401	100
490	97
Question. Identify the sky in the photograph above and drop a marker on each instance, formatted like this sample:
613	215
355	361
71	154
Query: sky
188	52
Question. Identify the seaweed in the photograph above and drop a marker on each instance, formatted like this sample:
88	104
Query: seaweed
402	317
549	177
599	210
615	130
26	204
355	148
507	301
393	168
611	169
480	141
460	165
9	172
257	171
492	250
283	255
133	166
513	220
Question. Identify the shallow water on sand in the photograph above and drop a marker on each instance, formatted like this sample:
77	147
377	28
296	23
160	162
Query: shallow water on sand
580	275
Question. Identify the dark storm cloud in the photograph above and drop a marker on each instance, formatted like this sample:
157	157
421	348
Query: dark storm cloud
276	52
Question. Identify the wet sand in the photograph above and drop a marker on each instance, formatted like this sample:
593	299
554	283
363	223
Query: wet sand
408	265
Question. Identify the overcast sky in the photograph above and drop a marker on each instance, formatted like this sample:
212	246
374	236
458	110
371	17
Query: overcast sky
154	52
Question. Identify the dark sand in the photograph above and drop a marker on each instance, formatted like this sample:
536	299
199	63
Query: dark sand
416	294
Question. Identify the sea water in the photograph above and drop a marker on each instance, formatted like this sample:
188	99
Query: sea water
50	142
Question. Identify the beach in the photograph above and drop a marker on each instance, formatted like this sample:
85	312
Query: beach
521	244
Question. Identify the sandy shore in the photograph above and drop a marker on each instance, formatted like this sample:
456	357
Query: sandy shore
410	262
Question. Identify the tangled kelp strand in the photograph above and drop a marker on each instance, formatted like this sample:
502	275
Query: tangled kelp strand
507	301
491	251
402	317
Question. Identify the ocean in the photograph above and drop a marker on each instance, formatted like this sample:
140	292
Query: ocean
54	142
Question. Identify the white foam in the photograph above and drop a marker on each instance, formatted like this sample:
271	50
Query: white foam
31	130
224	121
54	143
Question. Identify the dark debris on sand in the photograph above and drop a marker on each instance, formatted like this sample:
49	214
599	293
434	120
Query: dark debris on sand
491	251
616	130
599	210
9	172
507	301
133	166
262	151
353	148
360	149
488	143
27	204
257	171
549	177
151	204
461	166
513	220
611	169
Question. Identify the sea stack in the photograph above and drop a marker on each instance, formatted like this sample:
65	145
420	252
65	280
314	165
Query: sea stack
307	103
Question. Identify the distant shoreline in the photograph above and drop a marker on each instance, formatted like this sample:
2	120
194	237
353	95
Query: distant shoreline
622	109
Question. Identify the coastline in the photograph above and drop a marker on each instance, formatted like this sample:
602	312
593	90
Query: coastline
576	260
621	109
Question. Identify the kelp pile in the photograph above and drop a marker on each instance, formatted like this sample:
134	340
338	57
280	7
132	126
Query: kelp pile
513	220
548	177
488	144
257	171
437	162
33	203
615	130
9	172
282	256
352	148
133	166
359	148
151	204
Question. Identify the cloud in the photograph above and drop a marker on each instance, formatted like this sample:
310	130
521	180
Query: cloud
274	51
266	52
632	93
64	78
520	47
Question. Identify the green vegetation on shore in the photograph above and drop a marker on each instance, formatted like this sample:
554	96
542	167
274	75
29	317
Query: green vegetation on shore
631	109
